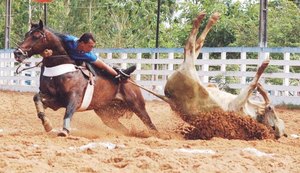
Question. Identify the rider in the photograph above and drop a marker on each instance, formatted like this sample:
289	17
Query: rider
81	49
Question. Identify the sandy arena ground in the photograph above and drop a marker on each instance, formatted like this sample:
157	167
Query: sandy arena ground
93	147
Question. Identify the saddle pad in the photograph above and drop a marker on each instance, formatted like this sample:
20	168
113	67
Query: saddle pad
59	70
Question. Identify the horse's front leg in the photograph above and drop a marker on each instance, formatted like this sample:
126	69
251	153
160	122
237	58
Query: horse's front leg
41	112
70	110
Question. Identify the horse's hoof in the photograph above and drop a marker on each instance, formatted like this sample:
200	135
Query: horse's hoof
63	133
47	124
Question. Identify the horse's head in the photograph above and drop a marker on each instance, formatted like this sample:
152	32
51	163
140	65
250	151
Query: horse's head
35	42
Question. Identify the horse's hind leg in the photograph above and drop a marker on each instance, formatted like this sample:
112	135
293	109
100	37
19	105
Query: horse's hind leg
135	100
112	120
41	112
140	110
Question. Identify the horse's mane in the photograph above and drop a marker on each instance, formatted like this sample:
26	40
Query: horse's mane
58	34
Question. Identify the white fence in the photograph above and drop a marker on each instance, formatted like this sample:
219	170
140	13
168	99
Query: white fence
233	67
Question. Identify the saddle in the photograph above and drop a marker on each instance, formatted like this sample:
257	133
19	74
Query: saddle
87	71
88	68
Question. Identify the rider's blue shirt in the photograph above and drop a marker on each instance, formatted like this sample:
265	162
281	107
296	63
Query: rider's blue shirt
72	44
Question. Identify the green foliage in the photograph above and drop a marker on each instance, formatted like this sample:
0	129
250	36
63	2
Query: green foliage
284	17
2	23
132	23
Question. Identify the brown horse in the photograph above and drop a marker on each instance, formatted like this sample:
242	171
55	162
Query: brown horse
63	84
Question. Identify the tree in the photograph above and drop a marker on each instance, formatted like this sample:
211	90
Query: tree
2	23
132	23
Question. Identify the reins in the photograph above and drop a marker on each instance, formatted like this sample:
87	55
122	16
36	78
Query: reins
19	71
38	64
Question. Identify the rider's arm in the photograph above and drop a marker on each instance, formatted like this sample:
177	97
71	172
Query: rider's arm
89	56
104	66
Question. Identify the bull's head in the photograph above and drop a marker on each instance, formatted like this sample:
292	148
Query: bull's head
270	118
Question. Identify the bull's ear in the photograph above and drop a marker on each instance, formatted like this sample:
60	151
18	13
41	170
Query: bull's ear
41	24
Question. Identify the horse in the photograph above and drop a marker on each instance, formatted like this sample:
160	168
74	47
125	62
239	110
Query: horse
63	85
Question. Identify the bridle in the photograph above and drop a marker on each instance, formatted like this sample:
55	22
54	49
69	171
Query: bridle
25	53
43	37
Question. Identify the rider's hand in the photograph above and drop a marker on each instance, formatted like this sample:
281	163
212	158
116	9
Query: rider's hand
46	53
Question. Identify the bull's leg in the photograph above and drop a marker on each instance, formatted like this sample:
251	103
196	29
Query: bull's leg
200	41
237	103
184	85
41	112
189	49
264	93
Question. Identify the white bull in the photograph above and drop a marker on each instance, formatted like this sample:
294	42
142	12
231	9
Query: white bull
185	92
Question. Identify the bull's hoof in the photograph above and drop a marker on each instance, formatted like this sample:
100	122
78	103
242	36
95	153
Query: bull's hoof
47	124
215	17
63	133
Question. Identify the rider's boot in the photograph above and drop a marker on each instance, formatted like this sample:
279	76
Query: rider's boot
123	74
128	71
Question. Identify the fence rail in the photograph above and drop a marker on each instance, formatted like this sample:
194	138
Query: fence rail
233	67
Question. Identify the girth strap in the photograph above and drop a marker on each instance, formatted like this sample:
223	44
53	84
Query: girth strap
87	98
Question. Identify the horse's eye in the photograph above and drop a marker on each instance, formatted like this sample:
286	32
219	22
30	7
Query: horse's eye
34	37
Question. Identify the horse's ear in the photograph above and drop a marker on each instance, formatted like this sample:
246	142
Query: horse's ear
41	24
31	23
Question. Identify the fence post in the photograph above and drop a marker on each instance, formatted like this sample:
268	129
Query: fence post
223	67
153	76
243	67
286	57
170	65
109	56
23	74
123	57
138	66
2	64
32	75
12	72
205	67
